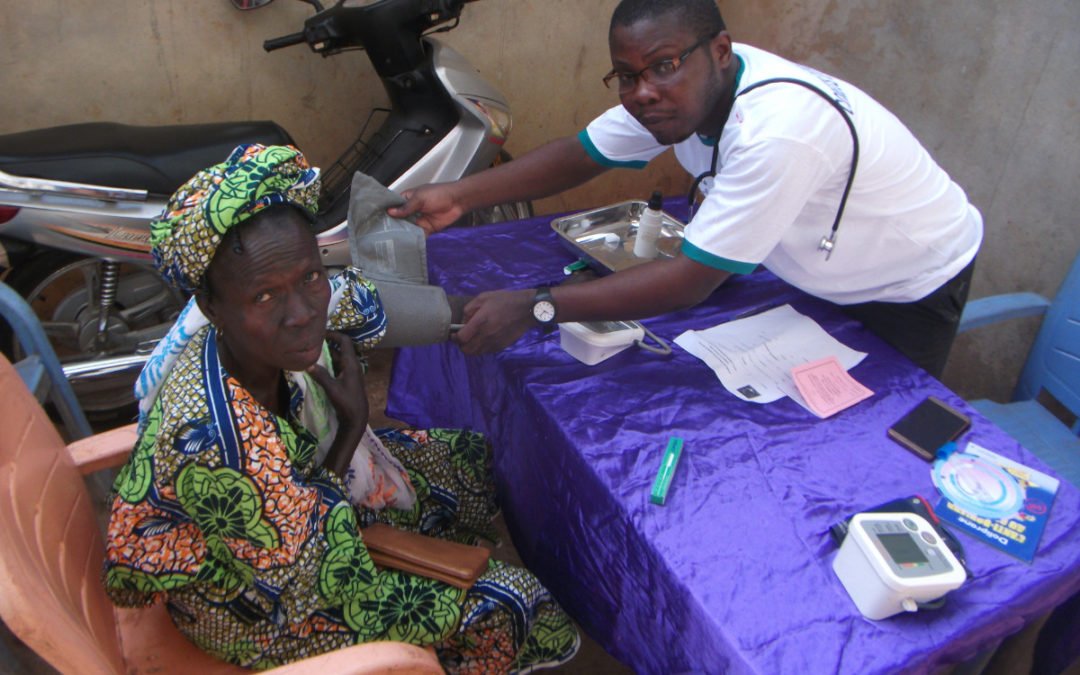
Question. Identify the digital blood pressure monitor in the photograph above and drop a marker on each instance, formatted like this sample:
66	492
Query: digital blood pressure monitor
891	562
593	341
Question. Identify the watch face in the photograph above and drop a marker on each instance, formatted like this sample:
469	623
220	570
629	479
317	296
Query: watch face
544	311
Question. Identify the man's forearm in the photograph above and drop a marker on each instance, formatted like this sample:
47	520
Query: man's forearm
640	292
556	166
495	319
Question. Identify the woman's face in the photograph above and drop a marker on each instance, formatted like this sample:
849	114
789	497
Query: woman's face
269	300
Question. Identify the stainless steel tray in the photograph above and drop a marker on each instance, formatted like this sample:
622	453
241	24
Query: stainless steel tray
605	236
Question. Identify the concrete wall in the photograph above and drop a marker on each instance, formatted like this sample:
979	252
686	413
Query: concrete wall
990	87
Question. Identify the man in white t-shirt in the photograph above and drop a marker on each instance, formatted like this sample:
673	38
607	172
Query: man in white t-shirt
799	172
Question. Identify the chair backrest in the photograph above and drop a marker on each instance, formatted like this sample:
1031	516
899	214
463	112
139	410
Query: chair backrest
51	549
1054	361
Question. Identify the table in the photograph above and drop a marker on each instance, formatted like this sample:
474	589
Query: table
734	573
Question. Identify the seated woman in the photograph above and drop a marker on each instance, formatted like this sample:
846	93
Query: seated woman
234	508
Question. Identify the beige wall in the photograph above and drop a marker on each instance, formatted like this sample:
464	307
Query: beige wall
175	61
990	87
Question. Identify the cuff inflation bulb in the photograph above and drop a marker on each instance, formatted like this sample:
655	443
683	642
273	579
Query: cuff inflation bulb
648	229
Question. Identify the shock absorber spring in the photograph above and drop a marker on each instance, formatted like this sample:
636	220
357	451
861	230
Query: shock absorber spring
110	275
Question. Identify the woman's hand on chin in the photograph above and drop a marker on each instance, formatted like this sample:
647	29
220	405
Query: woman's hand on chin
348	396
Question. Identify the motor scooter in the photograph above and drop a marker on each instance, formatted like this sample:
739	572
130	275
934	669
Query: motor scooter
76	200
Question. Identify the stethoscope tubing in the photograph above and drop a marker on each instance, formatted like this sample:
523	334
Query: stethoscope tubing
828	242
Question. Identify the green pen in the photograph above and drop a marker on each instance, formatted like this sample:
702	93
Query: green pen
576	266
667	470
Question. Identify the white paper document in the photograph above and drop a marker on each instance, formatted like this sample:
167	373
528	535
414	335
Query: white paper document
753	357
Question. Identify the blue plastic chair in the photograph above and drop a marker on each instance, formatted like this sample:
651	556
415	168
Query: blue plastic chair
1053	365
40	369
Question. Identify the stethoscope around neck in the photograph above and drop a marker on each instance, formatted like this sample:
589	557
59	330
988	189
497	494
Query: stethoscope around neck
828	242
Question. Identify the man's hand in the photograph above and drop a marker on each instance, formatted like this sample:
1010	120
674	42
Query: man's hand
436	207
556	166
494	320
348	395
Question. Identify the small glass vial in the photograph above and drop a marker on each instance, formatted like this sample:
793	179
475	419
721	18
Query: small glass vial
648	229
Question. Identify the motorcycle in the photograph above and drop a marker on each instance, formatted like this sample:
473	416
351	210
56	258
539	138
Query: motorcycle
76	200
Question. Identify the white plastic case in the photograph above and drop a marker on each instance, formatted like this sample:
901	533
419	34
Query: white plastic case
592	342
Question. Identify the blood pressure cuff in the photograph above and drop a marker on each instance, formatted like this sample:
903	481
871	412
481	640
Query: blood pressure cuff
415	314
918	506
392	253
384	248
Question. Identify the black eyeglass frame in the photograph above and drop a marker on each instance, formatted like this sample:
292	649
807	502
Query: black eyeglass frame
676	63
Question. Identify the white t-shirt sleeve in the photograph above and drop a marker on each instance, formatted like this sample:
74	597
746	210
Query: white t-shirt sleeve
756	196
616	139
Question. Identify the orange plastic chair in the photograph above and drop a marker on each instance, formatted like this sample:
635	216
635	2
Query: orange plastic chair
51	553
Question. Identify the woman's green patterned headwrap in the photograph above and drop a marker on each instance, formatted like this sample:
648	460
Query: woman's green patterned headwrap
186	235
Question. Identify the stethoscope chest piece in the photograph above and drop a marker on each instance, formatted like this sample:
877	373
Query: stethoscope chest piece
827	244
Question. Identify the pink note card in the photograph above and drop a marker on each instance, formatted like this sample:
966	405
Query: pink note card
827	387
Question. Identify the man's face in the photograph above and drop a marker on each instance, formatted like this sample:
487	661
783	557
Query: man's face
674	107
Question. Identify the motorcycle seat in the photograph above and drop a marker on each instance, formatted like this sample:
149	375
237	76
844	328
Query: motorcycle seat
157	159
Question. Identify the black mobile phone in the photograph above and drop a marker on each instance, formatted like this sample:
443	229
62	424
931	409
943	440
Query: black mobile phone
928	426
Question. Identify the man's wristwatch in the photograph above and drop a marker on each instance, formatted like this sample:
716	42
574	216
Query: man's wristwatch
543	309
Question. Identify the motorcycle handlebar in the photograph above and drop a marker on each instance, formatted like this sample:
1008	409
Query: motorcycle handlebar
283	41
382	26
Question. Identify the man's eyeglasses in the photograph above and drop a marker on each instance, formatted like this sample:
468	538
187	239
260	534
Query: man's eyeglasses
659	73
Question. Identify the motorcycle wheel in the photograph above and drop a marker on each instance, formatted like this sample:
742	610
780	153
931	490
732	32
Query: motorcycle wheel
62	289
500	212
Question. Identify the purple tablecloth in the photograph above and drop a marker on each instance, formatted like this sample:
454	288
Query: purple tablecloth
734	572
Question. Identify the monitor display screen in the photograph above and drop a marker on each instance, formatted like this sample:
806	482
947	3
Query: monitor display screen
902	548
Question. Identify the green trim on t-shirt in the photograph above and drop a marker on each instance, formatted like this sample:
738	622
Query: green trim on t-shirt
715	261
599	158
